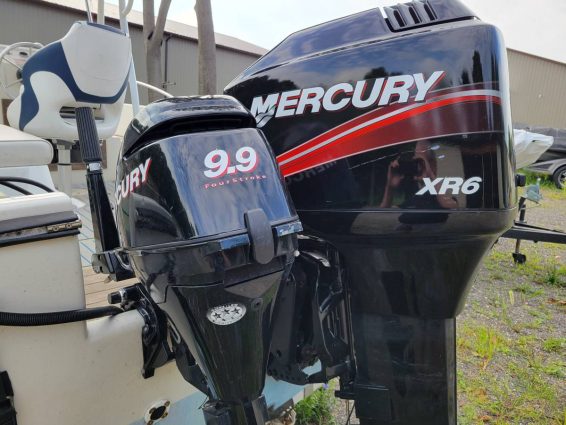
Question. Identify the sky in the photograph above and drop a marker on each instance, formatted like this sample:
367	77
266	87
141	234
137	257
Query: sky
539	30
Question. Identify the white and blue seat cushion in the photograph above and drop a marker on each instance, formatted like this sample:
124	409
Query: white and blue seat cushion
89	66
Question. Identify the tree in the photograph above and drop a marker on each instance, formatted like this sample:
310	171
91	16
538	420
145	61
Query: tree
153	35
206	48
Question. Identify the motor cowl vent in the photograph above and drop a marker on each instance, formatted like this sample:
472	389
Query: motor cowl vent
419	13
406	15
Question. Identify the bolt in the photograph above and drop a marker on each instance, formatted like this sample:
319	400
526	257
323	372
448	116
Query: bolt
150	423
165	415
167	403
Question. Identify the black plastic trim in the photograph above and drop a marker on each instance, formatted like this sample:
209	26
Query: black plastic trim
23	223
7	410
184	115
202	240
37	237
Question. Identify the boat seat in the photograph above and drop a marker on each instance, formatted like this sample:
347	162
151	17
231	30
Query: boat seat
34	209
19	149
89	66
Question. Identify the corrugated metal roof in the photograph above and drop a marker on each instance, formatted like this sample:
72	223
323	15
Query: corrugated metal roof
136	18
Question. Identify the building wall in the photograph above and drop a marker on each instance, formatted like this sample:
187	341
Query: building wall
538	88
31	20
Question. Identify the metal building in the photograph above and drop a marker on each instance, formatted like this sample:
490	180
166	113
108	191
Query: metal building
47	20
537	84
537	88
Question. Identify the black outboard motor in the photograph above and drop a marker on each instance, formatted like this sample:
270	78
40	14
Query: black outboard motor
209	230
394	135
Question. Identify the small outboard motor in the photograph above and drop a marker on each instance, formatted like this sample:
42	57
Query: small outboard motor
394	135
211	233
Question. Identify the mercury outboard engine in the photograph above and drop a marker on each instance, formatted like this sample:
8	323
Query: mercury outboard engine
394	135
210	232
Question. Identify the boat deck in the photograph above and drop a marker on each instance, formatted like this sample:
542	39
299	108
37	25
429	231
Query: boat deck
98	286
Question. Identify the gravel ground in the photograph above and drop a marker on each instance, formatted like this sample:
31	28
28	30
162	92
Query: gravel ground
512	332
523	309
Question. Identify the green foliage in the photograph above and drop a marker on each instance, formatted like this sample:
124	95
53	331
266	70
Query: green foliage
520	393
554	345
316	409
528	290
510	348
482	342
556	275
545	265
556	369
545	181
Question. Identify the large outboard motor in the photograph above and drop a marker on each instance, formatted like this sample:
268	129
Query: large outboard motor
393	134
209	230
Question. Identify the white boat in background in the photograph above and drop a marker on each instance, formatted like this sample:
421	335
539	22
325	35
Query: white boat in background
552	162
529	147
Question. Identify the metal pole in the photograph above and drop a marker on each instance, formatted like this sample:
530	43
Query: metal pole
64	167
134	94
88	12
155	89
100	13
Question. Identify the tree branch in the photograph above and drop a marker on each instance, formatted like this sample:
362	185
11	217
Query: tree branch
206	47
161	20
148	19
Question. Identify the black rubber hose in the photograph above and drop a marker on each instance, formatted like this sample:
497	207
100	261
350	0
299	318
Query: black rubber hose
26	181
56	318
14	187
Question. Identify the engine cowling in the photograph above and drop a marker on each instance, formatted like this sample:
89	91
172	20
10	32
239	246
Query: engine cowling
394	136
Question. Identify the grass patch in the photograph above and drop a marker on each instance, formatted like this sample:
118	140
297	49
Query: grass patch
532	178
556	369
540	312
528	290
541	316
545	269
511	349
497	275
556	275
482	342
554	345
554	194
520	396
316	409
534	268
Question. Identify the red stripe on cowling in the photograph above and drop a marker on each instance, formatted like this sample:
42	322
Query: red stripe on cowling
465	114
375	113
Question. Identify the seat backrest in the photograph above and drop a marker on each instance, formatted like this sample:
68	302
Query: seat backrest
88	67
